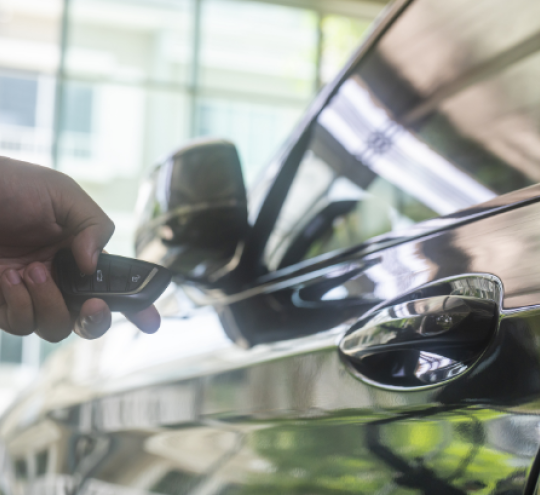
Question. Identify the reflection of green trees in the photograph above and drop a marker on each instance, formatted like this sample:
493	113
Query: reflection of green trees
332	457
175	483
328	459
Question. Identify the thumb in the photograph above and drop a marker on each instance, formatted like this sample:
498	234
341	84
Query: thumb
83	219
89	244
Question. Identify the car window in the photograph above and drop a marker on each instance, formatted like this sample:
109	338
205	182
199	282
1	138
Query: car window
433	120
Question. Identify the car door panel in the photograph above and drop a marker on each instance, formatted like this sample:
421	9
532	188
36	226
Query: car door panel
482	417
309	427
251	394
504	244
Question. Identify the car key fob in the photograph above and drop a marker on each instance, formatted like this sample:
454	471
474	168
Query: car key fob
125	284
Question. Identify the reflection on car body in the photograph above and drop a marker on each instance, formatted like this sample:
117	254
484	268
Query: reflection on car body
408	190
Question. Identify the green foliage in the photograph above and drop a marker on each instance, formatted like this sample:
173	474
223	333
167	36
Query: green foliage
356	455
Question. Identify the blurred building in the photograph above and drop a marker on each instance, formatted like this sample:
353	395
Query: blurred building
101	89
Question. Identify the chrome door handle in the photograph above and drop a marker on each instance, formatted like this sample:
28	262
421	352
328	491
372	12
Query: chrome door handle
420	342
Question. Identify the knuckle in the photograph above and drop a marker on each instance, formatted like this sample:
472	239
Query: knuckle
7	286
62	179
30	269
34	264
39	282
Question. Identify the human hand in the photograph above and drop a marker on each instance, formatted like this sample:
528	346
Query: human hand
41	212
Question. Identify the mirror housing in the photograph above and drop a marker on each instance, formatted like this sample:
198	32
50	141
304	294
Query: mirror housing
193	211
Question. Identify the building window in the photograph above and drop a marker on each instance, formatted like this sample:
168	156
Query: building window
78	107
18	98
11	348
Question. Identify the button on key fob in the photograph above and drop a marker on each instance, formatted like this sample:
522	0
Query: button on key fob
125	284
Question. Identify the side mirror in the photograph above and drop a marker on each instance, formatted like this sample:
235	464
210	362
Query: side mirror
193	211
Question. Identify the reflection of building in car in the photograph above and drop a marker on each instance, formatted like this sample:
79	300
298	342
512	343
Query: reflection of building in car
367	323
119	92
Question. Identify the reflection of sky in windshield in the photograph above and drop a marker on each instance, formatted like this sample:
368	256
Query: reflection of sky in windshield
367	133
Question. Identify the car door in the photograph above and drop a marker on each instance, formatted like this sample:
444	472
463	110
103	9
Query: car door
407	201
388	340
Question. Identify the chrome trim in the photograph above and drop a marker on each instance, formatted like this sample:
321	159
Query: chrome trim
182	211
497	298
497	294
506	313
417	231
210	298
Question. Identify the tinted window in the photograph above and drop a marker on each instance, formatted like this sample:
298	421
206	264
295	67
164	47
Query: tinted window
436	119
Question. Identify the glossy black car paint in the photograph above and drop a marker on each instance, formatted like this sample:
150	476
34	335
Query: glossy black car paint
195	210
251	395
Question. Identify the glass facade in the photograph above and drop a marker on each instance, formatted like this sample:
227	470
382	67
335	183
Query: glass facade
140	78
102	89
29	60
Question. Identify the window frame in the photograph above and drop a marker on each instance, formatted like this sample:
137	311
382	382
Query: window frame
267	196
277	183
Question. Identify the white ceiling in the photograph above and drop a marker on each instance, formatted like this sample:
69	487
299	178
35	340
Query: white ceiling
368	9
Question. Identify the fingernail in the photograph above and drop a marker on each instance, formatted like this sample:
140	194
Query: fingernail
38	274
94	319
13	277
95	257
90	325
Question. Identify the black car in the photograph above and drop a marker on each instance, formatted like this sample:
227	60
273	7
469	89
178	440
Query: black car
367	323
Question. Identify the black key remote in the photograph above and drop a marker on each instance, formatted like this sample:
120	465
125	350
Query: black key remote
125	284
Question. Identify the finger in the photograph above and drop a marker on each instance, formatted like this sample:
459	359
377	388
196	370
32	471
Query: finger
51	316
88	245
147	320
20	314
80	215
94	320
